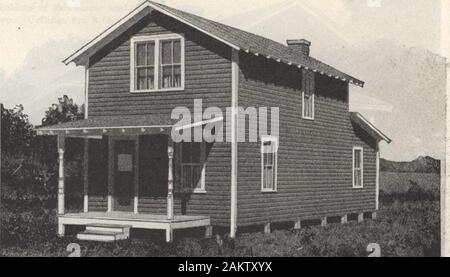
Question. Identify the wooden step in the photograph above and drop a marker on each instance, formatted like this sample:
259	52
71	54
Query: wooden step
105	232
119	229
102	236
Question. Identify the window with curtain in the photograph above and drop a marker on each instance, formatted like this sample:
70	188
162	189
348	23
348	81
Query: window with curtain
170	63
193	166
269	151
157	63
357	167
145	65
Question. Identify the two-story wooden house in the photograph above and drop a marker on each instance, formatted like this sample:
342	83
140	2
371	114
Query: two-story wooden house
323	162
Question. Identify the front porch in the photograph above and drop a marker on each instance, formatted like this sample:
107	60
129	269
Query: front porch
128	167
138	221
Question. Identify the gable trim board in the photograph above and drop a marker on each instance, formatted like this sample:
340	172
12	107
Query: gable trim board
237	40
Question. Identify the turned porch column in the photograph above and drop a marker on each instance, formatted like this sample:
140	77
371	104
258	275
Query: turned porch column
170	152
86	176
61	147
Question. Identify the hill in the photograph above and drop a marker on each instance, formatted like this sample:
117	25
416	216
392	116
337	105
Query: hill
419	165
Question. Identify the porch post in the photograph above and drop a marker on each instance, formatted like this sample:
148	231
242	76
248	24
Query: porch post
377	180
136	177
61	147
110	174
170	152
86	175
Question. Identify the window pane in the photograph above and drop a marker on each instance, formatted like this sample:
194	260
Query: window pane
268	177
197	180
151	78
141	79
166	81
140	54
357	158
269	159
151	54
177	76
177	51
196	152
358	178
310	107
166	52
308	104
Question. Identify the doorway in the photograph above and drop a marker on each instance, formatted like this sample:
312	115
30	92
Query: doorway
124	174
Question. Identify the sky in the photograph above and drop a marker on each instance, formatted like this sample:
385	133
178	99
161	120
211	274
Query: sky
395	46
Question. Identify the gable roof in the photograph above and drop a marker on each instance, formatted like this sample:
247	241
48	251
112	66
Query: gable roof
368	127
233	37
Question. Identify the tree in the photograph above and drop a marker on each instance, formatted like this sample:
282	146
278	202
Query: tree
17	131
65	111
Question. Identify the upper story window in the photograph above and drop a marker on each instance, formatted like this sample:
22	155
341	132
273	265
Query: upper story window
308	96
157	63
358	167
269	163
308	104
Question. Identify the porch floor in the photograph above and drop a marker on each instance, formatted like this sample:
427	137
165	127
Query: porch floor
132	220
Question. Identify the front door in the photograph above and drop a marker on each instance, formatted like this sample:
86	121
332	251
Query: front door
124	175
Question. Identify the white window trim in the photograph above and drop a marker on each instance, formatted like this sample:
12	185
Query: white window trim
362	167
313	106
202	189
275	171
156	39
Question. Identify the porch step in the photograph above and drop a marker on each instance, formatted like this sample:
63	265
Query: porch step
108	228
105	233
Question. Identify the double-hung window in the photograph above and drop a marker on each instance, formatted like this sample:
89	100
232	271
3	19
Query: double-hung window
157	63
308	96
269	161
193	166
358	167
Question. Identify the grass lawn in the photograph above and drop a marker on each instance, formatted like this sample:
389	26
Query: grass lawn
402	229
408	224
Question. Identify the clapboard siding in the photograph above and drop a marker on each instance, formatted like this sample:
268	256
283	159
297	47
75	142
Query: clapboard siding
98	204
315	157
207	77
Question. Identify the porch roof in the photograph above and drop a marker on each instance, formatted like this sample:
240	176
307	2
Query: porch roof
101	125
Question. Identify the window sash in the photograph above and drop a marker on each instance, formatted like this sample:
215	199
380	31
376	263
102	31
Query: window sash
192	172
148	54
170	80
308	104
358	168
269	165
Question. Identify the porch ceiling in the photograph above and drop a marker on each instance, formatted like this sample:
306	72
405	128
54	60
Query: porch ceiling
110	125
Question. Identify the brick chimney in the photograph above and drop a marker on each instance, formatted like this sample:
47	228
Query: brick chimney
300	45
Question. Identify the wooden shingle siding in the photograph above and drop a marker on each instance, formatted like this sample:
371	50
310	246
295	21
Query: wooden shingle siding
314	158
208	77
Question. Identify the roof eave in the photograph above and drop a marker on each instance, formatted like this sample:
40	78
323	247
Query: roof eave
80	56
380	135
